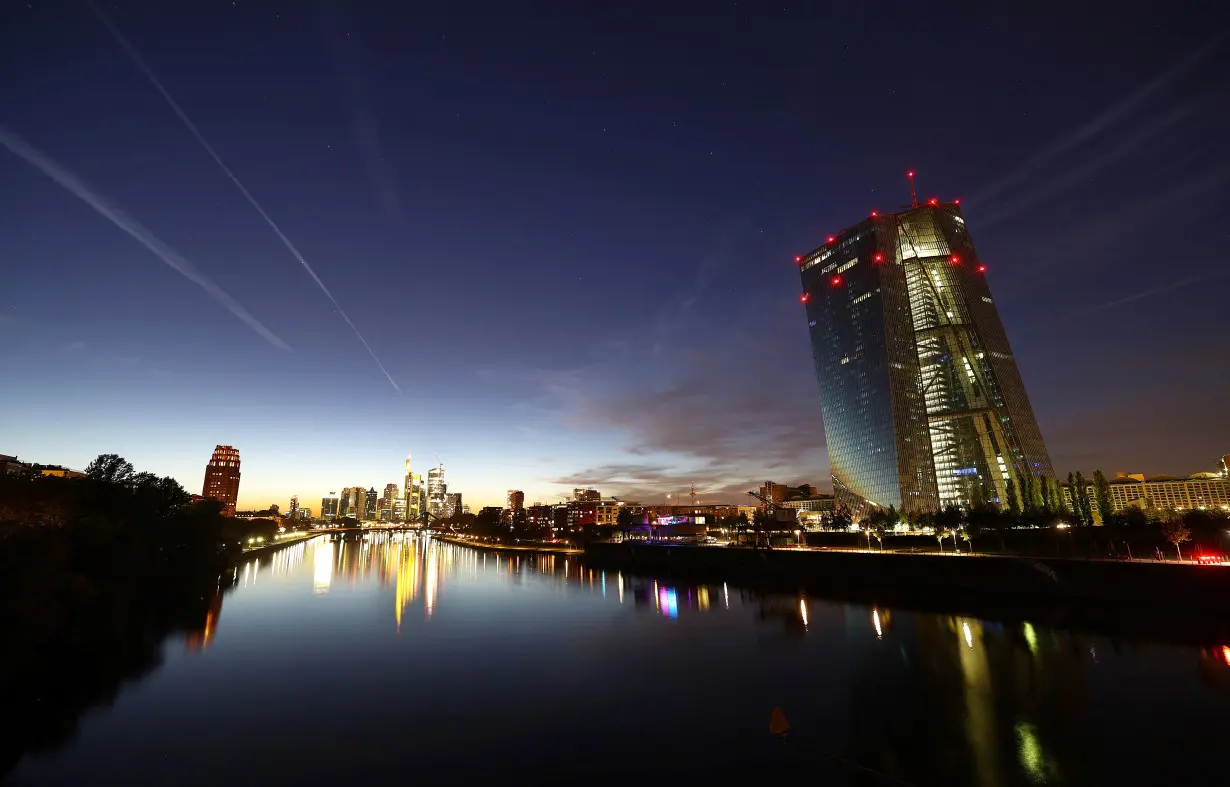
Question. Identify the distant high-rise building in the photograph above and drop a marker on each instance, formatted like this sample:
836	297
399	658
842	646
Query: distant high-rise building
411	490
452	504
586	495
391	493
222	478
436	490
922	400
293	513
329	506
399	510
371	505
515	500
345	503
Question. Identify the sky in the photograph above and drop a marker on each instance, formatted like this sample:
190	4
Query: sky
552	244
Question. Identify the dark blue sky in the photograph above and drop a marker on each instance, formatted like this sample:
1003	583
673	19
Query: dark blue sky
567	230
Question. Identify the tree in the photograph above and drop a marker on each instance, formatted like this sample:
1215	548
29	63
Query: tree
966	537
111	469
624	518
1080	499
1029	493
1048	501
878	530
1101	495
1014	503
1176	533
940	535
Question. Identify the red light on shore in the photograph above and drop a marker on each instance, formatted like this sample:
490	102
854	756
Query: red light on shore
933	201
982	269
955	260
836	280
1225	654
878	257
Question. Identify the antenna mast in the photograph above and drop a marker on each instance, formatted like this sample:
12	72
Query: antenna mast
913	194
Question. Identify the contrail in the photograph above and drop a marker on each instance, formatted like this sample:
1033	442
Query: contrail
1140	296
142	234
149	74
1113	114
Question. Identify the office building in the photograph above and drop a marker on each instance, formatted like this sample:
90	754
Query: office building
293	513
436	490
586	495
411	488
1200	491
452	504
922	401
391	493
222	478
371	506
329	506
515	500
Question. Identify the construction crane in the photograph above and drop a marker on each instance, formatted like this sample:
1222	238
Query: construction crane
770	507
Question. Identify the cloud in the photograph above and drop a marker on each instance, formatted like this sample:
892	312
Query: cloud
724	399
140	233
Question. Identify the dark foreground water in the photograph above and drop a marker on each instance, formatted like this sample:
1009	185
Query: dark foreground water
394	659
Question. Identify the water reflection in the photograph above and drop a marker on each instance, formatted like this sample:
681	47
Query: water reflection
455	633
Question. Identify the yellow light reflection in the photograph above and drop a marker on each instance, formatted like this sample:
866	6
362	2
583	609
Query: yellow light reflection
875	619
322	566
969	636
803	610
702	597
1031	637
1029	751
433	578
407	580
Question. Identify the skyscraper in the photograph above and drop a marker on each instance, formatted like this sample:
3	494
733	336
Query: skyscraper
294	507
222	478
436	490
371	505
452	504
922	401
515	500
391	493
411	491
329	506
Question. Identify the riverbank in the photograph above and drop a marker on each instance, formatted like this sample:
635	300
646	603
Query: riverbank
961	576
541	549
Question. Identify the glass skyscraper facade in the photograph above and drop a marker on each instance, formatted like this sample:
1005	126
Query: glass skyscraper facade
922	400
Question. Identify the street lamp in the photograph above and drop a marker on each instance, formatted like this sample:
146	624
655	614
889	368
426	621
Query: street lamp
798	534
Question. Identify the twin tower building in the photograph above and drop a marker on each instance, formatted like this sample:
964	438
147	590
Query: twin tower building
922	400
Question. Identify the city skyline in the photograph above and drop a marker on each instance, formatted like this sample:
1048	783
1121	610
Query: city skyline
585	266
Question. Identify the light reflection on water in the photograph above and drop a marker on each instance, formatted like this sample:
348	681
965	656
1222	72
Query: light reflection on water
429	652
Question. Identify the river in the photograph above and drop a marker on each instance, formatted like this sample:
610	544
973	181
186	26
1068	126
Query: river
394	659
